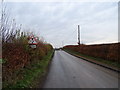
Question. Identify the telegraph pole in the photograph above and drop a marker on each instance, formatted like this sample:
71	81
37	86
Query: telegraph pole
78	35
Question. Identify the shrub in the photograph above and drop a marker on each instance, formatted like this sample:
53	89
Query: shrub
19	55
104	51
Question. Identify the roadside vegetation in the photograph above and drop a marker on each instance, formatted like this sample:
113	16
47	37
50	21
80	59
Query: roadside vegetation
22	66
104	53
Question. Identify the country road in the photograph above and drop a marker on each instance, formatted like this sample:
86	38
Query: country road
67	71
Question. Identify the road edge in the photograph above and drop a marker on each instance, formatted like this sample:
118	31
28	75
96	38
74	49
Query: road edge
47	71
95	62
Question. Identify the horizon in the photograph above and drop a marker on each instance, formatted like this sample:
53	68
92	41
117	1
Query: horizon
58	24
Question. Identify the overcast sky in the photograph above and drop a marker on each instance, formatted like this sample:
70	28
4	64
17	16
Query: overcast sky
57	21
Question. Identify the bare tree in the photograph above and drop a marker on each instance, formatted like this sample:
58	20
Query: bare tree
8	26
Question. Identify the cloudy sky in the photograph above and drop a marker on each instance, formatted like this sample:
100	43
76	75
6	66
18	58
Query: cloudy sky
57	21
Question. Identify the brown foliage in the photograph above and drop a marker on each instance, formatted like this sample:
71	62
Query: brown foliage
15	55
19	55
104	51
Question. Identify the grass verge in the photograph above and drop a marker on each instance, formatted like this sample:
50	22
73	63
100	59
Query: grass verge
107	62
32	75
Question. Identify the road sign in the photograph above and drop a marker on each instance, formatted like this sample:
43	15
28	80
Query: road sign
32	42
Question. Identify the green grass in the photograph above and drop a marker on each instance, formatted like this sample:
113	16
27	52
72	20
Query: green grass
32	73
3	61
108	62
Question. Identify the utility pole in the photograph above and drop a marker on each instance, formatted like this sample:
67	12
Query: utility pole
78	35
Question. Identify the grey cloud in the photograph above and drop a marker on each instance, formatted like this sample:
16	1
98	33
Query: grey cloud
57	21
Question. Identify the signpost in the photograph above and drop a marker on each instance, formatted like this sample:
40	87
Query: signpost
32	42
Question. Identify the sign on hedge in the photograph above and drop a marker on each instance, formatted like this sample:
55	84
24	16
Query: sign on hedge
32	42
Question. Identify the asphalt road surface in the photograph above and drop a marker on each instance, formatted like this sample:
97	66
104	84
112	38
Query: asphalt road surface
67	71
